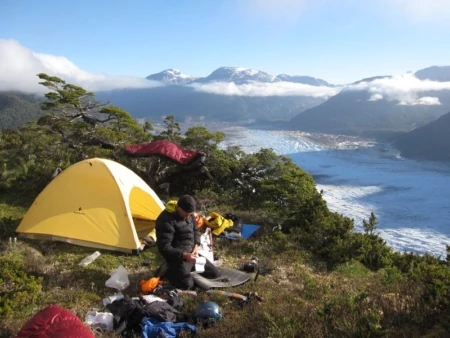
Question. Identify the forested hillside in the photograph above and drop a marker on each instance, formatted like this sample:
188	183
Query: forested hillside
16	109
429	142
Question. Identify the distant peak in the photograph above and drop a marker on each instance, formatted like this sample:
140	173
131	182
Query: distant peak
171	76
239	69
238	75
171	70
434	73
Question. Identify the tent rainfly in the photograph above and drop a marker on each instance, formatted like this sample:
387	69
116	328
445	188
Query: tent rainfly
96	203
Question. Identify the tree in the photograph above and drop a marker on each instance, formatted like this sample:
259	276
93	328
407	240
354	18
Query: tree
371	225
75	127
68	103
172	132
447	258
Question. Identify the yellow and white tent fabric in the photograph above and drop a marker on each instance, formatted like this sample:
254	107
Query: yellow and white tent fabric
96	203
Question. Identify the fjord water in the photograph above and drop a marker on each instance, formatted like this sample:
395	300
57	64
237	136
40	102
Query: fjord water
410	199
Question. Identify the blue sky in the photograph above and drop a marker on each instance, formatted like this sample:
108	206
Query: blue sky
340	41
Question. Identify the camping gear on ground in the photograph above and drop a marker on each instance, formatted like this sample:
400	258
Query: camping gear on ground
251	266
110	299
153	328
247	297
254	295
89	259
56	322
152	298
150	284
235	230
218	223
96	203
170	294
119	279
247	231
237	296
187	292
237	223
228	278
99	320
147	262
207	313
128	314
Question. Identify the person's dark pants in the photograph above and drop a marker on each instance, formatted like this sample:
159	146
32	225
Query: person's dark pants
179	275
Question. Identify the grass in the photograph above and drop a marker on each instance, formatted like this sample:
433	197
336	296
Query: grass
301	298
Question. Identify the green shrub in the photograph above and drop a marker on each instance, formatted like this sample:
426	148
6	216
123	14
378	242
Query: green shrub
17	288
353	269
352	315
391	275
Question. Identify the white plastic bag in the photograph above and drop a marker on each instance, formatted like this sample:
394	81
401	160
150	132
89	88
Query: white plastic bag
103	320
119	279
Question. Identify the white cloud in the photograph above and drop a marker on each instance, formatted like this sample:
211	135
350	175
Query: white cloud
426	101
19	66
376	97
406	89
266	89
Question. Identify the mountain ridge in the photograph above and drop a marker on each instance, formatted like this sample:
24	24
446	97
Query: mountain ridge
361	111
238	75
428	142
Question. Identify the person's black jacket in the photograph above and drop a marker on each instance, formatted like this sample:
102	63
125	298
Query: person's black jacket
175	235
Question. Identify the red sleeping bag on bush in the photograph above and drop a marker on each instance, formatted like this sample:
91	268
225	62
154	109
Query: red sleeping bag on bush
164	148
56	322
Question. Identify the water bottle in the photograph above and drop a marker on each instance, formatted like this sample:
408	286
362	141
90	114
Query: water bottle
89	259
110	299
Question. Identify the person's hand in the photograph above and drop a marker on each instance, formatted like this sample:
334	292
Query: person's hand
195	251
189	257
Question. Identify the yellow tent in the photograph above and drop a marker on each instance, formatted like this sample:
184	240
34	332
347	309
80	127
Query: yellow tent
96	203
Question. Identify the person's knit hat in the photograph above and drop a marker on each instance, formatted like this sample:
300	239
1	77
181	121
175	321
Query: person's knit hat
187	203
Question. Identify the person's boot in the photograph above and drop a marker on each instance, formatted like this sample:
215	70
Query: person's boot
161	270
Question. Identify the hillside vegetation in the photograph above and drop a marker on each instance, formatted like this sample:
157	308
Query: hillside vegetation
16	109
429	142
319	278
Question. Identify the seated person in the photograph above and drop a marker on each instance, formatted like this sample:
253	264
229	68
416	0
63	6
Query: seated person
178	239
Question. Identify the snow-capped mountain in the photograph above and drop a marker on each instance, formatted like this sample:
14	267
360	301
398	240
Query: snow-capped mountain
237	75
171	76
